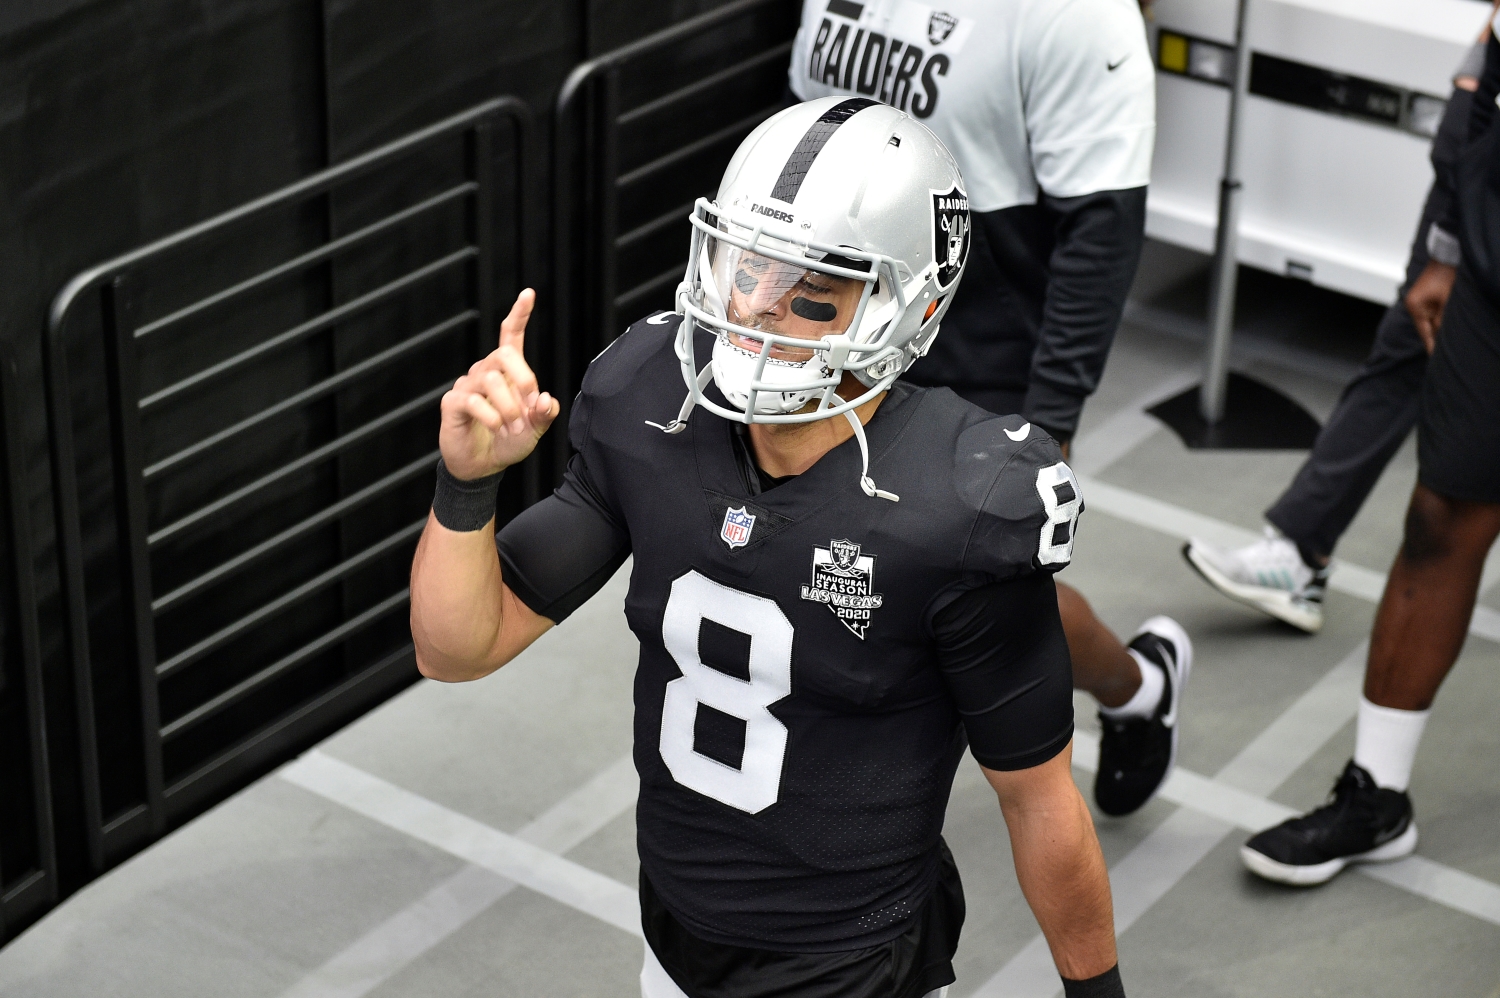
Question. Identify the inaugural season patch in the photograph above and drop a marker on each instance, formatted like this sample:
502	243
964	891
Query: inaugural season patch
844	581
950	235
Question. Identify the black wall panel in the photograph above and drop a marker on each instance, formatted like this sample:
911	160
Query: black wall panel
28	867
395	65
122	121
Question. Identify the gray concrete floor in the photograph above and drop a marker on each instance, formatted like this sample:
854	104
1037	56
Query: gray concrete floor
284	891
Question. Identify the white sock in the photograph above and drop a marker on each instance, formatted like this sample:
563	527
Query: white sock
1385	743
1143	704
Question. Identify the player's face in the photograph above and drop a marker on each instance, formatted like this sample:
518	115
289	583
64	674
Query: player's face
776	297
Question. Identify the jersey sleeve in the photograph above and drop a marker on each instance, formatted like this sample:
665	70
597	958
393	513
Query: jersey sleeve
1026	499
1089	94
1099	239
562	550
1004	659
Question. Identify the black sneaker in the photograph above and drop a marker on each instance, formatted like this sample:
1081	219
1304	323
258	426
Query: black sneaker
1361	823
1136	754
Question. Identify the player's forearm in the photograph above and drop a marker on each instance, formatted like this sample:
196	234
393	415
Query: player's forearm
1062	873
456	603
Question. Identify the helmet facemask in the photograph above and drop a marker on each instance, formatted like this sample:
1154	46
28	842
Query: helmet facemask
790	317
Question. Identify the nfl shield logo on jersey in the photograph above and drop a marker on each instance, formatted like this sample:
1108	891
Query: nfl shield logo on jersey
844	581
737	527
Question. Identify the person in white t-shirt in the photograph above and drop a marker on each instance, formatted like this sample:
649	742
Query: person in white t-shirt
1049	108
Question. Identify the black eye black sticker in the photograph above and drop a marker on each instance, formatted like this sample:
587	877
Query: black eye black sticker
816	311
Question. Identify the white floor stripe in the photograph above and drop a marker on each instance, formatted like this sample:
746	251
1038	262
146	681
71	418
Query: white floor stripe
1029	972
379	954
1215	807
1130	426
1175	521
1423	877
529	865
1127	429
1454	888
1289	741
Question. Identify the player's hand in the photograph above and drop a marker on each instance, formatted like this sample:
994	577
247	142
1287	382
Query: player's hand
1427	299
495	414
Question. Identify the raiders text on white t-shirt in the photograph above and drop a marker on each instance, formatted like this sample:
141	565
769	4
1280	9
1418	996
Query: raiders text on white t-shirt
1050	95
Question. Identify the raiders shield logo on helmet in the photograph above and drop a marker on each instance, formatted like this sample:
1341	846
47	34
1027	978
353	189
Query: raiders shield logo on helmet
950	236
940	26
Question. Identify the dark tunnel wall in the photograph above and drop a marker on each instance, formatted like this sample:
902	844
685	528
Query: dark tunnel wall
121	122
125	120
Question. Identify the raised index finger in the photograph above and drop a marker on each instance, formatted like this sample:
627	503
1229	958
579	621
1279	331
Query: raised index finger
513	329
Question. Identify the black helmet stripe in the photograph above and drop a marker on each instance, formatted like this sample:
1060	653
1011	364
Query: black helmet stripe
812	143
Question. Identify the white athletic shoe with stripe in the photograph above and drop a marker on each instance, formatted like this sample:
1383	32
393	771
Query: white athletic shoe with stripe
1269	575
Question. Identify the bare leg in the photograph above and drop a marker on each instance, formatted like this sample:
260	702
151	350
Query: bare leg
1101	665
1429	597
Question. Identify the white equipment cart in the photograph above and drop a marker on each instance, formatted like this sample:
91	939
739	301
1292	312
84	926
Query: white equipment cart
1344	97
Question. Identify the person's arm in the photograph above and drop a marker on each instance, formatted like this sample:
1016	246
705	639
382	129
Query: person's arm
1094	258
1004	658
1428	296
1059	864
1089	92
465	621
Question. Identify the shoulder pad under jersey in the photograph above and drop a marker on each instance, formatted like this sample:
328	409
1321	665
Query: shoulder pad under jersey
617	365
1026	498
640	364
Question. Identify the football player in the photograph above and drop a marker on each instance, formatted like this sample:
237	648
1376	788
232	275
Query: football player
839	581
1049	107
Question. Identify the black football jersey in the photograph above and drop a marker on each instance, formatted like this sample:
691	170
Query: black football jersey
806	677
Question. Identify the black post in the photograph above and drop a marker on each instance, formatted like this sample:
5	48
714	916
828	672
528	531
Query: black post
131	526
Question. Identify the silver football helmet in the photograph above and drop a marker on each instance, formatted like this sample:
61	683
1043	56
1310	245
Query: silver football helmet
835	243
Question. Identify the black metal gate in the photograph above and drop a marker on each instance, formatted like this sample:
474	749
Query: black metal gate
641	133
244	423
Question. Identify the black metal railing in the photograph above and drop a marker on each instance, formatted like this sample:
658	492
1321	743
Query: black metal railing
28	858
640	134
244	421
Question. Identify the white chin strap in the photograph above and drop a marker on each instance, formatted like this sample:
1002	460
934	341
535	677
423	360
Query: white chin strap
865	481
680	423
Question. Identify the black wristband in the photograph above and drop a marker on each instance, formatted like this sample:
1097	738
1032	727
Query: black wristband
1106	985
464	506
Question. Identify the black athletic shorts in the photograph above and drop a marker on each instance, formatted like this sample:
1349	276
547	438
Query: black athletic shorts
916	962
1458	432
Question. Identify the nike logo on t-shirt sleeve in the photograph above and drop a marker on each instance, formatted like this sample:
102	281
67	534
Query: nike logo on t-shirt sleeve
1112	66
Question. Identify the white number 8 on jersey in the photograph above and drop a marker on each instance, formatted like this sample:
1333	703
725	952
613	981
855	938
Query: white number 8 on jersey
757	783
1055	546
